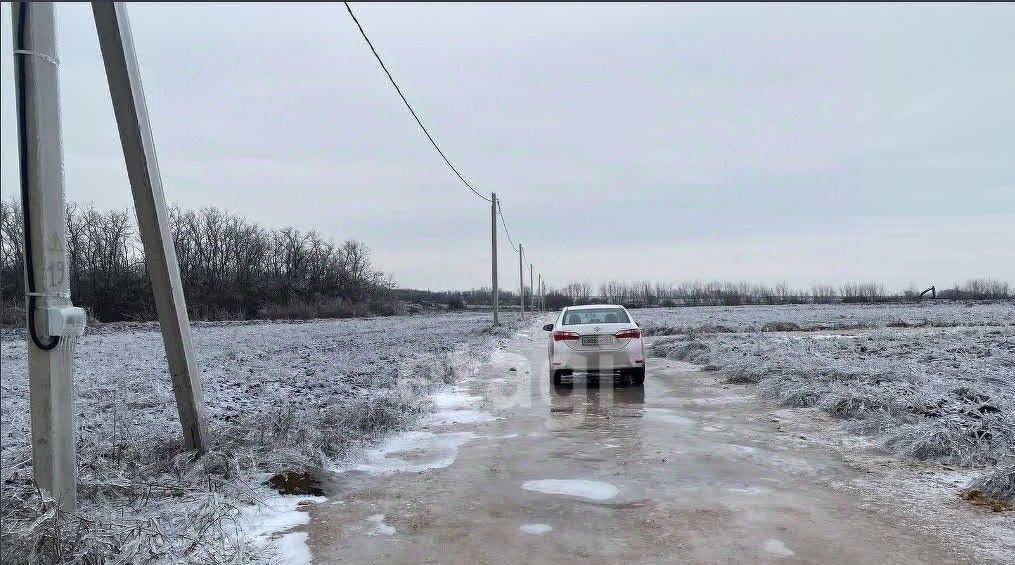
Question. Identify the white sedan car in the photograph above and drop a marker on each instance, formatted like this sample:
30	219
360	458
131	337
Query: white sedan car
596	339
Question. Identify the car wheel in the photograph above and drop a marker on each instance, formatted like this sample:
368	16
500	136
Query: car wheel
638	376
557	374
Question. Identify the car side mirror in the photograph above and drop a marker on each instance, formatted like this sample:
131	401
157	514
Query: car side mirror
548	328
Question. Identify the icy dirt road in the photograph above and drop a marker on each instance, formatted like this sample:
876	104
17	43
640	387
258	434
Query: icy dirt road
686	470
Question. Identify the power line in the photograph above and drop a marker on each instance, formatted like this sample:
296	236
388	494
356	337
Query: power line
407	105
503	222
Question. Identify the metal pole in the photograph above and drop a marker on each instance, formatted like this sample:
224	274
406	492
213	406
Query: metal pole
521	282
131	111
47	282
532	291
493	243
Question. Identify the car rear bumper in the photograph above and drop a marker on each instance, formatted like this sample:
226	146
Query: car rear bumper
629	357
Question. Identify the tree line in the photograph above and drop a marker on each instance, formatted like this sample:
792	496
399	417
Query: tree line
732	293
236	269
231	268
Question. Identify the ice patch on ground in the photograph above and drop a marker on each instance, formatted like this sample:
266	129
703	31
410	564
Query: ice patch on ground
747	491
466	416
594	490
379	528
411	452
685	366
453	398
504	358
776	547
666	415
721	400
454	407
742	448
537	529
293	549
268	523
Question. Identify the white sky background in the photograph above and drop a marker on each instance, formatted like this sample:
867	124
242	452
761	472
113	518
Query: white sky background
806	143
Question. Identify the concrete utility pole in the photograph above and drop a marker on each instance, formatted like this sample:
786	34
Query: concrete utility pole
493	243
521	282
53	324
532	291
124	79
535	293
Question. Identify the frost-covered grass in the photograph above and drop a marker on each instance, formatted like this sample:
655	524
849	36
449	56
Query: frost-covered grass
790	317
279	397
945	391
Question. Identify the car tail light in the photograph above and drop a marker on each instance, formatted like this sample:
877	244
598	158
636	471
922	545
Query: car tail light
628	334
565	336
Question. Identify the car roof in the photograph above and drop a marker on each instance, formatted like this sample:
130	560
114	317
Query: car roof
588	306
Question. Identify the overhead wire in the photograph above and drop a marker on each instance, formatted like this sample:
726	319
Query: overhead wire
409	106
503	222
391	78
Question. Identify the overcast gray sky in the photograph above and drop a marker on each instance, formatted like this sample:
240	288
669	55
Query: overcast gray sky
805	143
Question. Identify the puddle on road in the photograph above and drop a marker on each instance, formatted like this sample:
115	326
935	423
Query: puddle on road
667	415
581	488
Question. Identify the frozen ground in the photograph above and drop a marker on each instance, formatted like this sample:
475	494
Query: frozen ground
729	319
280	397
929	381
687	469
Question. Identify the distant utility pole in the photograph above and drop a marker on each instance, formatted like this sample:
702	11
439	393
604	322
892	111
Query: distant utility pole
535	293
493	244
131	112
53	324
532	291
521	282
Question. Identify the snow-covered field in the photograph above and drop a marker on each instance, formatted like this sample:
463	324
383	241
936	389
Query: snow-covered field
932	380
929	381
665	321
280	397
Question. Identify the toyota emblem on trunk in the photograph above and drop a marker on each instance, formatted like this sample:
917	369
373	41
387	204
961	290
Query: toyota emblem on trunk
596	330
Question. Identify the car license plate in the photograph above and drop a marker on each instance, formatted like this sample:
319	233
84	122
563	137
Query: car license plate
597	340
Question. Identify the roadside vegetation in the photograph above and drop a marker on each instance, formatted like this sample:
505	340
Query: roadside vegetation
941	392
282	399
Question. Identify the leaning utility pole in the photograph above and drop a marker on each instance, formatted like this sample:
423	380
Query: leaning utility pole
521	282
131	112
53	323
493	244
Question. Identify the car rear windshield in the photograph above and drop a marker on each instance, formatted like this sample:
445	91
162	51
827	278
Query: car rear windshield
596	316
